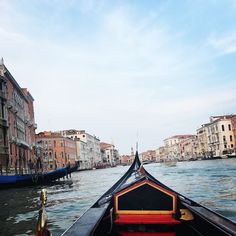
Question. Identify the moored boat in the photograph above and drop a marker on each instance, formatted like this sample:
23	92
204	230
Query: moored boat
8	181
140	205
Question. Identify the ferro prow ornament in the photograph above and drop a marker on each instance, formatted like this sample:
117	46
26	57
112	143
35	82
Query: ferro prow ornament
41	229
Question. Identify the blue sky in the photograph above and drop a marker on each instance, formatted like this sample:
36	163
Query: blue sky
118	68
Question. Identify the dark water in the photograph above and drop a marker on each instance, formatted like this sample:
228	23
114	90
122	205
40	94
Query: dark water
211	183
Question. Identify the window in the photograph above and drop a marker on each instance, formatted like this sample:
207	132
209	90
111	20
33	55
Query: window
225	146
55	155
229	126
1	137
231	138
223	128
232	145
61	143
62	154
55	143
224	139
2	111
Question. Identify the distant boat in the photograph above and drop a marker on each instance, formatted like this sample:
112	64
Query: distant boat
233	155
170	162
9	181
140	205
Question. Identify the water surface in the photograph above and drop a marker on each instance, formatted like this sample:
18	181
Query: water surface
211	183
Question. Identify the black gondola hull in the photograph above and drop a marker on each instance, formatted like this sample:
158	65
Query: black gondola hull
140	205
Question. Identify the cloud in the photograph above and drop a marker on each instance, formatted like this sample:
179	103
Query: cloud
225	44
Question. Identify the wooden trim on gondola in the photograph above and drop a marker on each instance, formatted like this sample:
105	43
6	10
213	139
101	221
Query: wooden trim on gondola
137	185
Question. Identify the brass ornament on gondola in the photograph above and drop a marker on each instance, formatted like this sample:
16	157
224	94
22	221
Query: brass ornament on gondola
186	215
41	228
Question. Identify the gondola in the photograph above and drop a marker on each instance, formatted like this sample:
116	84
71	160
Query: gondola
140	205
9	181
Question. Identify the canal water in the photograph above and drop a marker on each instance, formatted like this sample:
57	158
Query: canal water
211	183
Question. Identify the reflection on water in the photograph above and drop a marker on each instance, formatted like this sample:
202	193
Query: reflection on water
211	183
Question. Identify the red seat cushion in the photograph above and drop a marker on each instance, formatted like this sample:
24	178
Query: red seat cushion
147	234
146	219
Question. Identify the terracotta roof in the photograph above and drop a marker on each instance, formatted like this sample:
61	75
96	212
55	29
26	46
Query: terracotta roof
105	145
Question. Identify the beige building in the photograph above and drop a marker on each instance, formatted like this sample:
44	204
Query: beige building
202	144
81	150
220	138
110	155
188	148
148	156
160	154
88	147
173	148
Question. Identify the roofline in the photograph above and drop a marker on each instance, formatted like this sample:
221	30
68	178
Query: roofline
15	83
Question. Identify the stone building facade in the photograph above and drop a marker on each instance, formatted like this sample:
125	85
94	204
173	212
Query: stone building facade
221	138
4	149
110	155
173	148
58	151
19	133
88	147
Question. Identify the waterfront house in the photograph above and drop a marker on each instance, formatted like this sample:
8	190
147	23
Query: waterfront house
17	128
110	155
173	146
221	139
88	147
58	151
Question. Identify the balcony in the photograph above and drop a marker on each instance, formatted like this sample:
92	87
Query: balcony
22	142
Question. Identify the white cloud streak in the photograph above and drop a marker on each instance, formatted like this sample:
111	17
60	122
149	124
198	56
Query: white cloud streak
225	44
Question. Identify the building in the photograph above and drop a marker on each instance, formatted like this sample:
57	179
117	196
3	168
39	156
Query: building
173	149
18	134
188	148
160	154
110	155
125	160
4	150
58	151
91	147
221	135
148	156
202	144
81	153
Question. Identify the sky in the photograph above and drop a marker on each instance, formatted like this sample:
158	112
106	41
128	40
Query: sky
124	71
